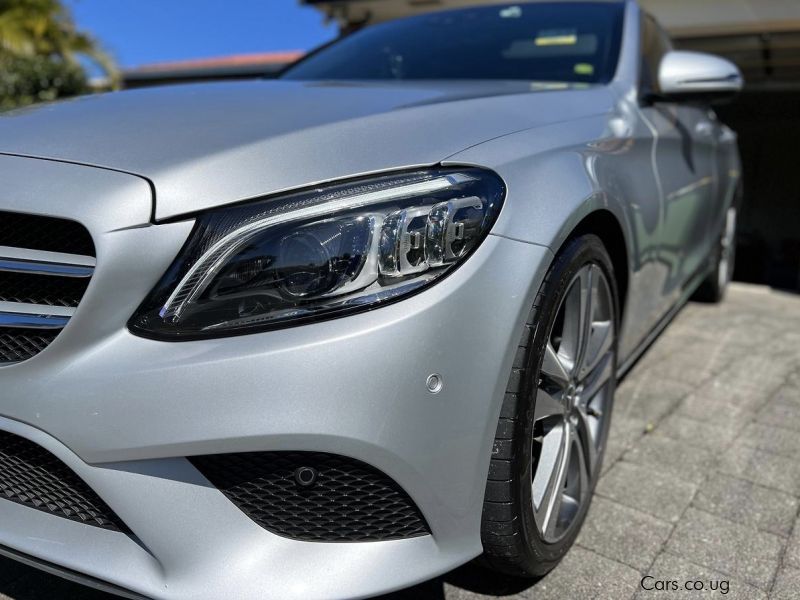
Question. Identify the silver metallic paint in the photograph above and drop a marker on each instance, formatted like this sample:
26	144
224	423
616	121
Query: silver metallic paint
684	73
124	411
204	145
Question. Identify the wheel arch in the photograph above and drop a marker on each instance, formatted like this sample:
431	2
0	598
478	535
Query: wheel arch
605	225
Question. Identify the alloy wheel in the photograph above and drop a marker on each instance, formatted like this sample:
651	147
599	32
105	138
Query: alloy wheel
572	402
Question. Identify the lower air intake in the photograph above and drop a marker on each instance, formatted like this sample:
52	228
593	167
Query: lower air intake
17	345
31	476
313	496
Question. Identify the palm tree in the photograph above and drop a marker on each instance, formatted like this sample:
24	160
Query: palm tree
33	31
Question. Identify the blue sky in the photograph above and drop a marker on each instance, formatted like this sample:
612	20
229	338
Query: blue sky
138	32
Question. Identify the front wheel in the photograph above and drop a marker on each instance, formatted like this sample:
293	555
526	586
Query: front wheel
554	422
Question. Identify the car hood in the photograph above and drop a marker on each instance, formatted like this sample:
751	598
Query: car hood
211	144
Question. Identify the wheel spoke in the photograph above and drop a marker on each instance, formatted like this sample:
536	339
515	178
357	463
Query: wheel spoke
553	366
601	338
585	473
587	279
569	349
547	465
547	405
586	433
598	378
550	487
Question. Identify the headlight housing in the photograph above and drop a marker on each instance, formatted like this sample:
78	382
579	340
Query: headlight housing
320	253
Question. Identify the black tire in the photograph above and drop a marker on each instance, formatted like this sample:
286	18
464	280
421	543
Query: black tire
714	286
511	540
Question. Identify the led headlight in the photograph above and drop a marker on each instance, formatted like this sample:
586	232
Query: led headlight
320	253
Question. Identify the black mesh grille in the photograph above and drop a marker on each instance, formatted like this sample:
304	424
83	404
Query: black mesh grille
31	476
349	500
42	289
47	234
21	344
44	233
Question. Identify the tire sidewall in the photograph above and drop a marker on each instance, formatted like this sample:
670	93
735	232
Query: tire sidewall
577	253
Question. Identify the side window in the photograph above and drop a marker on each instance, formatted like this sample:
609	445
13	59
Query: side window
655	44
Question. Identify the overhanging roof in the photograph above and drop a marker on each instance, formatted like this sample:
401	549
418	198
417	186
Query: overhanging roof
725	17
682	17
761	36
240	66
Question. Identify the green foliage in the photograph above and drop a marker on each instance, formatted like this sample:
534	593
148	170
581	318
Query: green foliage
28	79
39	53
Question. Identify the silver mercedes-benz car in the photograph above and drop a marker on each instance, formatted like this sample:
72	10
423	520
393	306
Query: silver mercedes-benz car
334	334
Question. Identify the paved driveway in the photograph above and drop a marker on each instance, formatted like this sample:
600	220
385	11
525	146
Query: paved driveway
702	475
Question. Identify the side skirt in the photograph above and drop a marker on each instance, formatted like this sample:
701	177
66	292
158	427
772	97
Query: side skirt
644	345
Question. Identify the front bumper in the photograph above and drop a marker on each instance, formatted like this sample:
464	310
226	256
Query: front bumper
124	413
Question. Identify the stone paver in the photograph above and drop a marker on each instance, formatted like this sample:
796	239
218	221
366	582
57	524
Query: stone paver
787	585
680	573
772	439
624	434
650	398
673	457
792	558
788	394
744	502
728	547
765	468
623	534
685	368
585	574
696	433
718	411
781	414
760	373
701	478
656	493
722	390
794	380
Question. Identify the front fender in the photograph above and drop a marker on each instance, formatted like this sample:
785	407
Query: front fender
559	174
556	176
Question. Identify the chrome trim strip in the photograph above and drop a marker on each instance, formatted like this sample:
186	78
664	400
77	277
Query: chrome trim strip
21	308
80	260
25	321
38	268
40	262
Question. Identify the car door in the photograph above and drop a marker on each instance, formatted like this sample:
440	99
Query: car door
683	159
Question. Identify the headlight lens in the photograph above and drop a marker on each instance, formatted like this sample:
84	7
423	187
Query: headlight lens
320	253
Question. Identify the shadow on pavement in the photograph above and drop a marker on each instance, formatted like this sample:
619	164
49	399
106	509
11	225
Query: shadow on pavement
19	582
472	579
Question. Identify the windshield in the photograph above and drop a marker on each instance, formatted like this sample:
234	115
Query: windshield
559	42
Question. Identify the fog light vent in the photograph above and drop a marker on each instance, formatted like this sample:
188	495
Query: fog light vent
313	496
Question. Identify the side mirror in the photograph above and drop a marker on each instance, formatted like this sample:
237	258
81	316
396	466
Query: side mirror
696	76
